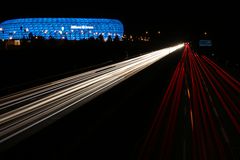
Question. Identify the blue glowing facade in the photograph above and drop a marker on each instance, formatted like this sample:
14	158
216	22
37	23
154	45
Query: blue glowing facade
60	28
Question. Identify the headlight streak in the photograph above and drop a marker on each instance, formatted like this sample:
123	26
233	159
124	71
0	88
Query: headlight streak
25	109
42	90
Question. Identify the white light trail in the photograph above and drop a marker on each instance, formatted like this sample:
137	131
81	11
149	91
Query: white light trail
21	111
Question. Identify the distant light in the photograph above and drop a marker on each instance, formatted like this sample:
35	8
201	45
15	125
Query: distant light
17	42
27	30
205	33
1	29
14	32
60	32
45	31
158	32
188	92
62	28
146	32
10	37
213	54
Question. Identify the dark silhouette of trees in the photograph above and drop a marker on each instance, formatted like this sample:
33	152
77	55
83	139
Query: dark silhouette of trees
101	38
91	38
109	39
116	38
30	36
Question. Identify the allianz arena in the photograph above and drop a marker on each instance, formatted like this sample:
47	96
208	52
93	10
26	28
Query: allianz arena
60	28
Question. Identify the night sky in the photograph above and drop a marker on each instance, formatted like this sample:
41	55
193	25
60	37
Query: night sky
169	15
219	19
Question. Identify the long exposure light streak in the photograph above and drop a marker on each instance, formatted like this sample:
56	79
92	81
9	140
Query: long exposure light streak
21	111
211	98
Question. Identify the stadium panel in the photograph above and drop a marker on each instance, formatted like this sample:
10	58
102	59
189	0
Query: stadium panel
60	28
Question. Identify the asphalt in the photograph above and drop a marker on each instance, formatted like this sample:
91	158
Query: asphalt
112	126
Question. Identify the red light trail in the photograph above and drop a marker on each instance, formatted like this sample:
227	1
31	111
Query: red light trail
199	114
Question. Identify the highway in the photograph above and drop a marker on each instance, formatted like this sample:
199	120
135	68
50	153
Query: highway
198	117
183	107
24	110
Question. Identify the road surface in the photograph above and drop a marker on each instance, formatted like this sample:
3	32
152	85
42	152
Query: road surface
24	110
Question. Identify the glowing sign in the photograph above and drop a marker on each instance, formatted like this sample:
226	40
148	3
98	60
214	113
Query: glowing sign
81	27
205	43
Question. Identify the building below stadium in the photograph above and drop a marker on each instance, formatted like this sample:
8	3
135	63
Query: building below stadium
60	28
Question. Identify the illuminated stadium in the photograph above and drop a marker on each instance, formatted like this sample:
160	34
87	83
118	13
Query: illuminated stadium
60	28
